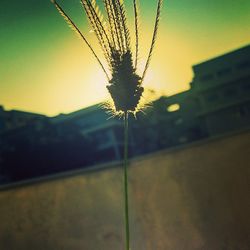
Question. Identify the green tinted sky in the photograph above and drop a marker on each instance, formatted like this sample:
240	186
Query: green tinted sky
44	67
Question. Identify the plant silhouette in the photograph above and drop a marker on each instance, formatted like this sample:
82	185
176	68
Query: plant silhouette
124	83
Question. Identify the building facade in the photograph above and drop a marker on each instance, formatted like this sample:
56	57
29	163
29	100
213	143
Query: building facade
218	102
12	119
222	87
95	124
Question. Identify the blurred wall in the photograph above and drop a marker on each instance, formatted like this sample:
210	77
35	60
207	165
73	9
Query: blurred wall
187	198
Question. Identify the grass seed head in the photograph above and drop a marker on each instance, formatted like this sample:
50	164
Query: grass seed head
124	84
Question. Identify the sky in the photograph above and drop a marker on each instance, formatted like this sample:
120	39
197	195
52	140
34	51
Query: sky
45	68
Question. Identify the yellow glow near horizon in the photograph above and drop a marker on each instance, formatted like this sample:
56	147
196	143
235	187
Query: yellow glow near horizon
73	79
78	80
48	70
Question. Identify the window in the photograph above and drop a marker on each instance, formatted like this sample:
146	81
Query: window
211	97
173	107
224	72
207	77
243	65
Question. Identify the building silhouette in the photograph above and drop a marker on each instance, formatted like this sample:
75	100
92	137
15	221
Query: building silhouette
222	88
94	123
217	103
12	119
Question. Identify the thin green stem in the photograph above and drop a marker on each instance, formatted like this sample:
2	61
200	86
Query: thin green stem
126	181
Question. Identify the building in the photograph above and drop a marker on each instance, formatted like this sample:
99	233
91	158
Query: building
222	87
169	122
218	102
12	119
94	123
12	124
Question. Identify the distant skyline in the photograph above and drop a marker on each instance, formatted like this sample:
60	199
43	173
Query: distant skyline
45	68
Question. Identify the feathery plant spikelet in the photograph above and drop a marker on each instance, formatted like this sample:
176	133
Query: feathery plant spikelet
124	83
